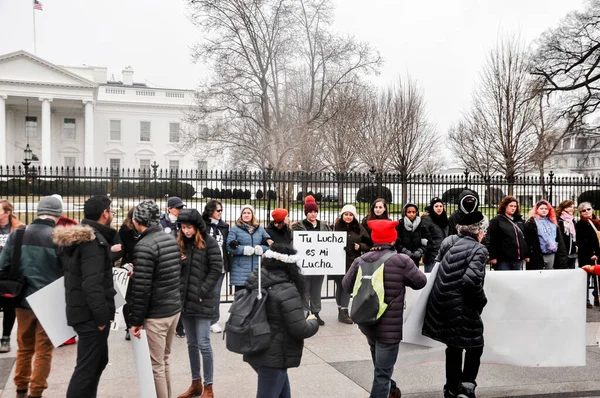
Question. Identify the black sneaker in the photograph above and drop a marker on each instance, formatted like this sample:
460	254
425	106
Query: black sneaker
319	320
127	335
5	345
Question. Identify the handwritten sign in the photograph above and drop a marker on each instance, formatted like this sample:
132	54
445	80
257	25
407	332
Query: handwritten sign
120	280
321	252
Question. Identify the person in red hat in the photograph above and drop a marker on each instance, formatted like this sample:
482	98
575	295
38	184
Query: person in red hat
384	337
314	283
279	228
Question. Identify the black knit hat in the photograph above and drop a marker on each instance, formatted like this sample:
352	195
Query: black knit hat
192	217
433	202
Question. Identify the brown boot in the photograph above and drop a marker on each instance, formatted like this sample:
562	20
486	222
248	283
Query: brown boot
194	391
208	392
343	316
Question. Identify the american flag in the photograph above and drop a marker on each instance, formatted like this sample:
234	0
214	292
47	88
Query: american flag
37	5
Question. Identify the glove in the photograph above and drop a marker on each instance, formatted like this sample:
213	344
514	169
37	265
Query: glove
234	244
248	250
258	250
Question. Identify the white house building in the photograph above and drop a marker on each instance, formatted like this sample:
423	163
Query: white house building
75	116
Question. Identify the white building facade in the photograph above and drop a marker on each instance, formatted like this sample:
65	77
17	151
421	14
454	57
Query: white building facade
76	117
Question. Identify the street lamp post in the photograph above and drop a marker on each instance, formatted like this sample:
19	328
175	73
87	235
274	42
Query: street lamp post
27	156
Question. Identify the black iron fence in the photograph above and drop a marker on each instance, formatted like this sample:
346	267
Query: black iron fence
24	186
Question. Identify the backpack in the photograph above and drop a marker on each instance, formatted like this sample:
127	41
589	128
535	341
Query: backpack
368	295
247	330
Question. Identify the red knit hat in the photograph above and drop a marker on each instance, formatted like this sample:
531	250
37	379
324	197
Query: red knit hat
310	204
279	214
383	231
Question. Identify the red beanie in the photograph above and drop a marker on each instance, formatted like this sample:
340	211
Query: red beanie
310	204
383	231
279	214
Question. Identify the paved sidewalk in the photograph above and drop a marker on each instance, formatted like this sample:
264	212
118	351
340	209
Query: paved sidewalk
336	363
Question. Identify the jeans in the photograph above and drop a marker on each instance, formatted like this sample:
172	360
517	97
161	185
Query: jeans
455	373
272	383
8	320
342	298
92	358
504	265
312	294
32	341
384	358
198	341
549	260
160	332
217	293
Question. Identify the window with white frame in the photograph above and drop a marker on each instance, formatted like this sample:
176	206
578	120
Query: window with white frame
173	165
69	163
69	132
145	164
202	165
173	132
31	127
115	166
115	130
145	131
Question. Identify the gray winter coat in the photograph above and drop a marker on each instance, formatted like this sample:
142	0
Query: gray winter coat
453	314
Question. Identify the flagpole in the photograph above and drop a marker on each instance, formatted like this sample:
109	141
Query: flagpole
34	36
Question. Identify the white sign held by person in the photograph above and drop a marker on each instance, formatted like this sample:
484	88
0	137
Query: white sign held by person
120	280
321	252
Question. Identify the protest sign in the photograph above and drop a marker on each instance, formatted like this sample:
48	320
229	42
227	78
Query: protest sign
120	281
321	252
143	366
50	308
532	318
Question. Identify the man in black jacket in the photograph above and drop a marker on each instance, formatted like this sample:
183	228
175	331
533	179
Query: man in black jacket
156	298
84	251
468	202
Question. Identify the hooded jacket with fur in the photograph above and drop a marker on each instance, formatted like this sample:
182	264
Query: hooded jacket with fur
84	253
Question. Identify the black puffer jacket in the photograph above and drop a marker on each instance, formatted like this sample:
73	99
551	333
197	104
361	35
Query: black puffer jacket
84	254
536	259
453	313
398	273
436	229
506	239
156	276
285	313
280	235
200	271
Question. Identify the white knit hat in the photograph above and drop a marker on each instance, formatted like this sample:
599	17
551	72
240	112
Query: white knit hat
349	209
244	207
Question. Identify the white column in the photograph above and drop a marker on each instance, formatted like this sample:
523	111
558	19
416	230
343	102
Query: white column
3	141
46	132
88	152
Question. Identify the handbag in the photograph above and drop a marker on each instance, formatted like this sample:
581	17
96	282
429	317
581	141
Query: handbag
12	282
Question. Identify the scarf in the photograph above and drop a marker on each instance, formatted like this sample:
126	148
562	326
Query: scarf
410	226
248	228
441	220
568	223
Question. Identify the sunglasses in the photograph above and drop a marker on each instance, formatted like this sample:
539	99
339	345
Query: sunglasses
589	209
219	211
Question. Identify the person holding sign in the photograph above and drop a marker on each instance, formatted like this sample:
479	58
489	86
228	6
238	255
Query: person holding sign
85	255
357	242
455	304
201	265
314	283
244	242
385	335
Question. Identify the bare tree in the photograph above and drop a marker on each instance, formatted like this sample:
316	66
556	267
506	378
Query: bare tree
471	148
568	62
274	65
502	111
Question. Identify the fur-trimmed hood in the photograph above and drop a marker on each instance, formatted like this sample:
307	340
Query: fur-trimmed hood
73	235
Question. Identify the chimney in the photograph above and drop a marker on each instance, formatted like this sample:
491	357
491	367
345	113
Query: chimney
128	76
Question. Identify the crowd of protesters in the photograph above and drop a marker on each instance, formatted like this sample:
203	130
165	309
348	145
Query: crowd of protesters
177	263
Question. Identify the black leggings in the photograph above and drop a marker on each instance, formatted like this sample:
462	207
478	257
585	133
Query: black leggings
9	316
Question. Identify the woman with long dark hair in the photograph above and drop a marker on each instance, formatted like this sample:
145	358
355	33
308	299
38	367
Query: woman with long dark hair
281	276
218	229
129	237
545	243
436	228
587	230
378	211
566	226
357	243
201	265
507	246
412	237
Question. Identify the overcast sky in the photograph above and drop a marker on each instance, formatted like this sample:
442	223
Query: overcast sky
441	43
